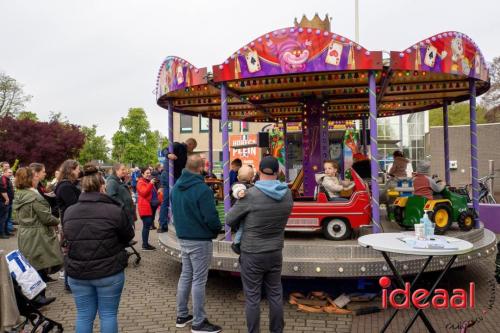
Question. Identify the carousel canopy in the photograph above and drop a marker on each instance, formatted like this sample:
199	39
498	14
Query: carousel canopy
274	76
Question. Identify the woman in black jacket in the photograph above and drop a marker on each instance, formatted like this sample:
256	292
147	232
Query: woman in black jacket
67	194
97	231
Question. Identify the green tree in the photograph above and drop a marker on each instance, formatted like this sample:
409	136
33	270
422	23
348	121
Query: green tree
491	99
27	115
134	142
95	147
458	114
12	97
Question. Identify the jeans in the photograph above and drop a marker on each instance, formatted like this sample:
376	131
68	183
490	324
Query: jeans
154	209
4	215
238	234
101	295
10	224
164	213
196	258
259	269
147	221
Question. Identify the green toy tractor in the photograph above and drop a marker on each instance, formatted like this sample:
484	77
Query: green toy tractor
451	207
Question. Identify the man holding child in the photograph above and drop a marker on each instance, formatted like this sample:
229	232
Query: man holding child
262	214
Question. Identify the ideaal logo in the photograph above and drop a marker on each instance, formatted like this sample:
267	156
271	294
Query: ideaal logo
422	299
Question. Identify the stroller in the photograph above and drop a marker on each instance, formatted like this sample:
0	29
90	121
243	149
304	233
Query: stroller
29	291
35	321
133	252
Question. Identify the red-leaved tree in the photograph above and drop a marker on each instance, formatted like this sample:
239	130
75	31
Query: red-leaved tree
30	141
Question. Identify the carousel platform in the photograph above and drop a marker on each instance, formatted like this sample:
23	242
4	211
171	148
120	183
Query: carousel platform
310	255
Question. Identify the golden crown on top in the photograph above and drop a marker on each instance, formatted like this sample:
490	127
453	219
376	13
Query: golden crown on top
315	23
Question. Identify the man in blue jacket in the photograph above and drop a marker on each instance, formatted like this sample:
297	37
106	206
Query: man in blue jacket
196	224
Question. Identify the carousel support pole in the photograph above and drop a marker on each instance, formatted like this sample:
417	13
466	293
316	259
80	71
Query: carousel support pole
365	137
170	134
285	140
473	149
225	155
210	148
372	97
447	175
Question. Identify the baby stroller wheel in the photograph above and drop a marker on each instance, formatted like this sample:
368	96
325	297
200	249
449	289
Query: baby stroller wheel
137	261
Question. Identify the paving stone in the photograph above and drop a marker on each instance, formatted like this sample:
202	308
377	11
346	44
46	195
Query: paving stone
148	302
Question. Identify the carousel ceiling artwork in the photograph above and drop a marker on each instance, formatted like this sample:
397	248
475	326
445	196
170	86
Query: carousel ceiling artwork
273	76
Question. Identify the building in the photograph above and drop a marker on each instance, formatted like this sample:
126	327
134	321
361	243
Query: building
197	127
460	160
406	133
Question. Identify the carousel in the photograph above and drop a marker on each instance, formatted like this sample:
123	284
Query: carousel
308	74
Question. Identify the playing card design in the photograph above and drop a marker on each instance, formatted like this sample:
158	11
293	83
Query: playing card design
334	53
180	75
465	66
430	56
477	64
253	62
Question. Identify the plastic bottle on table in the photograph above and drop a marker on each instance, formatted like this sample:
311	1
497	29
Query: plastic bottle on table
428	227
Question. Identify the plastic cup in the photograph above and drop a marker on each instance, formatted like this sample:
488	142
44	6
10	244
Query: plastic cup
420	231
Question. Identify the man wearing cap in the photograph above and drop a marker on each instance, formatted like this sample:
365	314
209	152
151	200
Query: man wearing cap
424	185
263	214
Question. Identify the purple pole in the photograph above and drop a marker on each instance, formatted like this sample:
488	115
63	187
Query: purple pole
287	176
210	148
225	154
372	97
170	120
363	133
473	149
447	175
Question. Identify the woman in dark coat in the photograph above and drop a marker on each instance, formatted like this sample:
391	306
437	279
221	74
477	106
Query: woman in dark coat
97	231
67	193
118	190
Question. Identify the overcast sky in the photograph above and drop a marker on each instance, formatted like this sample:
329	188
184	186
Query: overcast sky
94	59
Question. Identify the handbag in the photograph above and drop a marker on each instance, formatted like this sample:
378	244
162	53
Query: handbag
156	201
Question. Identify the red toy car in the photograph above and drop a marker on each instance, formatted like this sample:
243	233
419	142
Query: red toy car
336	219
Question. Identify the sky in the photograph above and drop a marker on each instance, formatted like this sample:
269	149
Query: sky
92	60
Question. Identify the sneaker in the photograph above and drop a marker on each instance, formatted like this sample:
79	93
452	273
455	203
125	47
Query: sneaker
205	327
161	230
148	248
236	248
183	321
48	279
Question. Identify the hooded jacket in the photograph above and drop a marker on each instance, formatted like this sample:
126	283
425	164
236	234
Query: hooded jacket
37	237
119	191
263	214
144	195
97	231
398	168
193	206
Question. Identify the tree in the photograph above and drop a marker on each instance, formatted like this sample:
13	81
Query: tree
458	114
491	99
95	147
23	115
43	142
134	142
12	96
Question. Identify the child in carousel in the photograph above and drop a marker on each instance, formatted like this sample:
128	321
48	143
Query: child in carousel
330	181
238	191
425	185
